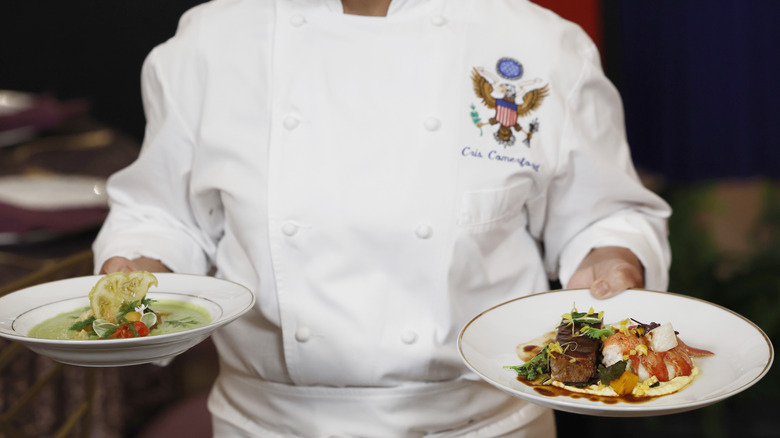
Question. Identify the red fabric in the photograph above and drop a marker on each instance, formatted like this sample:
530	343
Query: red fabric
586	13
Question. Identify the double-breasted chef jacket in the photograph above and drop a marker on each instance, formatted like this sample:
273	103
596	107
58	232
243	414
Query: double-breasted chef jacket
356	175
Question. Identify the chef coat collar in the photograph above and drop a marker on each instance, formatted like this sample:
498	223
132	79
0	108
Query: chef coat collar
396	6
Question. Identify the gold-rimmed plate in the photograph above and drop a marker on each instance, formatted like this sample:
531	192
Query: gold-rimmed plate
743	352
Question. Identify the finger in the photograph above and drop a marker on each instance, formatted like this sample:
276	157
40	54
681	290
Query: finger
618	279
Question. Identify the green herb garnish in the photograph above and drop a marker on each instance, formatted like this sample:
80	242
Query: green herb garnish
582	318
130	306
612	372
534	368
81	325
109	331
597	333
181	322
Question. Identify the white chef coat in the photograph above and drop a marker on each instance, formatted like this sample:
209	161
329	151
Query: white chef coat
334	165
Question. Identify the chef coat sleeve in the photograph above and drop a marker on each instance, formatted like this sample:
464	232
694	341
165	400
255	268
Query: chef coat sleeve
150	211
595	198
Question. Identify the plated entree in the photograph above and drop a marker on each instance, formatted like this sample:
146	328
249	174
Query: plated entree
119	308
583	355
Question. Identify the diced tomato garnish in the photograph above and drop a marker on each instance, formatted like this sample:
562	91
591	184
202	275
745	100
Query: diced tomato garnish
135	329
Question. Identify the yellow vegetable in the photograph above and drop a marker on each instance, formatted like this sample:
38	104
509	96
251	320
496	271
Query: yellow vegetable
625	383
114	290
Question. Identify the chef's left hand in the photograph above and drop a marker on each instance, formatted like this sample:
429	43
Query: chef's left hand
608	271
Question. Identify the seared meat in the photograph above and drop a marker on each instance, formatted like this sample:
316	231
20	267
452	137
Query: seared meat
578	362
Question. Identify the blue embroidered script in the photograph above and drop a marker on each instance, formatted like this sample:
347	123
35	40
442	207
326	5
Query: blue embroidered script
494	155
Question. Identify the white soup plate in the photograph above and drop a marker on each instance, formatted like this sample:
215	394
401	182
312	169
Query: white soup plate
22	310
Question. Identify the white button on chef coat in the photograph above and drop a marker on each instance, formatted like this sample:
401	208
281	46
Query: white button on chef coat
424	231
297	20
432	124
290	229
303	334
408	337
438	20
291	122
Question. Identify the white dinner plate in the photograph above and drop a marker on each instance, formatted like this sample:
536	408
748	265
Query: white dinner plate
53	192
12	102
21	310
743	352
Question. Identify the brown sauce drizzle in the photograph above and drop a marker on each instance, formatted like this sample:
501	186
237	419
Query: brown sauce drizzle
554	391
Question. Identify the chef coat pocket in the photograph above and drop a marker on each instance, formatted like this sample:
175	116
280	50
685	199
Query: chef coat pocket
482	210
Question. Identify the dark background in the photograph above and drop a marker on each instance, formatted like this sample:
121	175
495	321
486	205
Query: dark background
89	49
699	78
700	86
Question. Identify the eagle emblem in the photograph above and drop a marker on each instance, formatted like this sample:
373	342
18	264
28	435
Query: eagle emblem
508	111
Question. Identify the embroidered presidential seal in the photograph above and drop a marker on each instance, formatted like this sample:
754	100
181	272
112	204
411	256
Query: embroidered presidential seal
508	111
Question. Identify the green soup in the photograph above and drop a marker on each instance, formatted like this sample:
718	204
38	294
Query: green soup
176	316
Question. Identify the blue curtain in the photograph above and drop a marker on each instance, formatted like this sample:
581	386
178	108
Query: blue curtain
700	83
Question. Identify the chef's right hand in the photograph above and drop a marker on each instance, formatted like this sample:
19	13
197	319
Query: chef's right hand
122	264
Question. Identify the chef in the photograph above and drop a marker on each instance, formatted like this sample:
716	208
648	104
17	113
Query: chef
378	173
